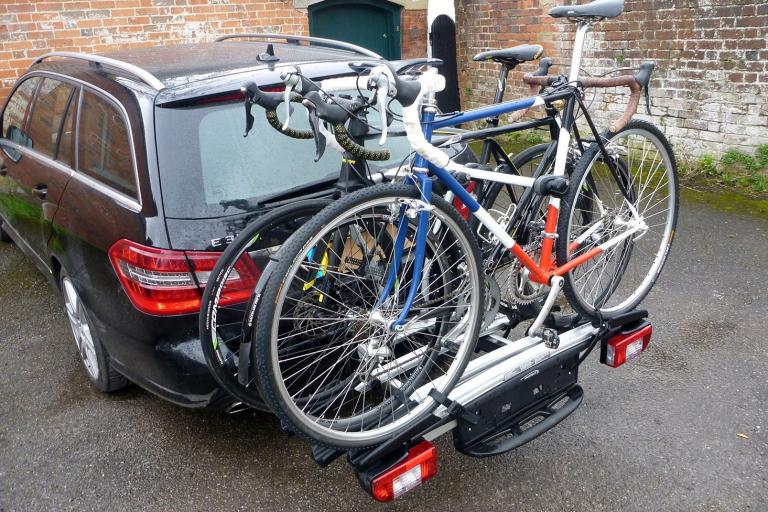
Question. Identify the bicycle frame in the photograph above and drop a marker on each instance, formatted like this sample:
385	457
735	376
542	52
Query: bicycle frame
545	270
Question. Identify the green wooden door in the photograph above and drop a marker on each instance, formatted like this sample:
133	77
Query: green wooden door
372	24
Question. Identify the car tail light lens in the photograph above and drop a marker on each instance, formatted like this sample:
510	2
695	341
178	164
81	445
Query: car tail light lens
166	282
417	468
624	347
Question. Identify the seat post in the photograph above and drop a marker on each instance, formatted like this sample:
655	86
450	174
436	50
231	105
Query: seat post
501	86
584	26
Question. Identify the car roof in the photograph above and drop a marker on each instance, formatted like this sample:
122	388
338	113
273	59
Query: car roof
185	66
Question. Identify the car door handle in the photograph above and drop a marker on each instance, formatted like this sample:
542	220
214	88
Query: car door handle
3	170
41	190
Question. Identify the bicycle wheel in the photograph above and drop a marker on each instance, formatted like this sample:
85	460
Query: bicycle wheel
631	248
221	315
327	362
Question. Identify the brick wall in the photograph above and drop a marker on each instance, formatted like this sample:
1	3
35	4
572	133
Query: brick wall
710	90
488	25
31	28
413	30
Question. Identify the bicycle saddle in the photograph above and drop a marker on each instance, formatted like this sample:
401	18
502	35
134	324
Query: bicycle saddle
596	9
514	55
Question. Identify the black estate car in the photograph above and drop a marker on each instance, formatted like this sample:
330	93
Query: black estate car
123	176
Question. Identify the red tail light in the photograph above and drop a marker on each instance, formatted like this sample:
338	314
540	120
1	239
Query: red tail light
624	347
166	282
461	207
417	468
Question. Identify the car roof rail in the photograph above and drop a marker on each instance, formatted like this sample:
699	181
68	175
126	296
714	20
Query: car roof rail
142	74
333	43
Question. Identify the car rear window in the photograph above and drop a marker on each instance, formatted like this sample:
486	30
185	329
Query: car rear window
104	149
208	169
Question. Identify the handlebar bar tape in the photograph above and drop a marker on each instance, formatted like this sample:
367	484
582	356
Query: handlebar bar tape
636	83
352	147
275	123
270	101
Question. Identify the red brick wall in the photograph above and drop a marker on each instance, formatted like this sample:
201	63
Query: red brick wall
710	90
488	25
413	29
31	28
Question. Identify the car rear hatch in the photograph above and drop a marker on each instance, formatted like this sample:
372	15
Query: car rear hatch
214	180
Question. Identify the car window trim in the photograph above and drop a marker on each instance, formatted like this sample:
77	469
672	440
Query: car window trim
30	153
64	120
135	203
30	107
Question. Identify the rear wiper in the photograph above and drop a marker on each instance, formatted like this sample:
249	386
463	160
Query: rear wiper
253	204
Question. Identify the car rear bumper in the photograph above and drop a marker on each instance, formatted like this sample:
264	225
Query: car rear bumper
164	357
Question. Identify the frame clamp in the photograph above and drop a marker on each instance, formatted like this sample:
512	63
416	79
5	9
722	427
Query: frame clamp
455	409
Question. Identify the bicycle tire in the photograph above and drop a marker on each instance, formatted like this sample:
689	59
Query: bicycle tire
219	356
290	257
566	227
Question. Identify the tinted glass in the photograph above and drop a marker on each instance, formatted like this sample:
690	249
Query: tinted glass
47	115
13	116
104	148
66	138
208	169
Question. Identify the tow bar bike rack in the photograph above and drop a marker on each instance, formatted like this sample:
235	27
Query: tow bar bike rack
507	397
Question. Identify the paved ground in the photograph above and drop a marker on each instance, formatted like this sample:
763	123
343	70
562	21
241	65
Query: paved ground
660	434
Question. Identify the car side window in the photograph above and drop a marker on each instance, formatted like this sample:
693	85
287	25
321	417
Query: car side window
48	114
104	147
16	110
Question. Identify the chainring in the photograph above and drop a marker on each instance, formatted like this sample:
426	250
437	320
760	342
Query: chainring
522	289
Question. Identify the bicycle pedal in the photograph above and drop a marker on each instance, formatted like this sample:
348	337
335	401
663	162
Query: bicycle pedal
550	337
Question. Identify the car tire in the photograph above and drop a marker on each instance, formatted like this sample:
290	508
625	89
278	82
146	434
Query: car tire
89	347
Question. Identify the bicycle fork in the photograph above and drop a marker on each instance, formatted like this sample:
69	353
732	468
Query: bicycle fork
419	209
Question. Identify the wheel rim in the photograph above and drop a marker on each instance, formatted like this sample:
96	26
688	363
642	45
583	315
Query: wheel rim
81	329
314	424
221	328
635	263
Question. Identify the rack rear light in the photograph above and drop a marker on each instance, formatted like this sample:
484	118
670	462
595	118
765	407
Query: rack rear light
625	346
167	282
419	466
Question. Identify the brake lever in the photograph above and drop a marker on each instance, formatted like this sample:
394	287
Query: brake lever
382	79
643	77
382	95
315	124
287	101
648	98
292	80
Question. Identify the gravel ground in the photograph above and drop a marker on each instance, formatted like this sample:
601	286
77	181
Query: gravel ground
682	428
